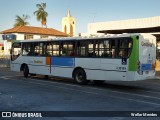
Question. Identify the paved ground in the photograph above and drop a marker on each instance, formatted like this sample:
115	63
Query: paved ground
39	94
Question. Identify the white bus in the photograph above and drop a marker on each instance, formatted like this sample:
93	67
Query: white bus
125	57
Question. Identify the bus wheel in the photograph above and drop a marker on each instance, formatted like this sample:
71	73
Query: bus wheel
25	71
80	77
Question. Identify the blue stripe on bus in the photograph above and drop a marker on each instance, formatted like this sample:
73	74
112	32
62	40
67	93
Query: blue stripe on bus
146	67
63	61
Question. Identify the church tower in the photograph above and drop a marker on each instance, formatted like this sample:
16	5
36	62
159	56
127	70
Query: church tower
68	24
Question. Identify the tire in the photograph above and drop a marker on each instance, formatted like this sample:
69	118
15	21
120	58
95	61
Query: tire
80	77
26	71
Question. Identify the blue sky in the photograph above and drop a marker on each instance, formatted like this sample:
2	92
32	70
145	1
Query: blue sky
84	11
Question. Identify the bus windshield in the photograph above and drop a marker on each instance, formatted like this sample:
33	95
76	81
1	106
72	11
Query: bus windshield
15	51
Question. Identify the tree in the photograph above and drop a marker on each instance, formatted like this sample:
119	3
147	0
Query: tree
21	21
41	14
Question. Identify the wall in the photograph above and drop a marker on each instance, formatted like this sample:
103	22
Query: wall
19	36
124	24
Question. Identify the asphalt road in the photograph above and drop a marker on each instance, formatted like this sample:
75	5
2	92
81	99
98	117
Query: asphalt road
54	94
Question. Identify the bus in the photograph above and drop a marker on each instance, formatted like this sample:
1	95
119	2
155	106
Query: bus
124	57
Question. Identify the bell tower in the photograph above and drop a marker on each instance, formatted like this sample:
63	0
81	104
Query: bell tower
68	24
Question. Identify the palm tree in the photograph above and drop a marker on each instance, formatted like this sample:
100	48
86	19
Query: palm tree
41	14
21	21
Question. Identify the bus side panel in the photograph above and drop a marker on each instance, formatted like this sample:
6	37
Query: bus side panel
36	65
91	67
115	69
54	66
102	69
62	66
14	66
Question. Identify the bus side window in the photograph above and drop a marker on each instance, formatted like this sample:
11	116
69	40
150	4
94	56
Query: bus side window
81	48
91	49
124	48
48	49
113	53
56	46
67	48
26	49
64	52
71	53
104	49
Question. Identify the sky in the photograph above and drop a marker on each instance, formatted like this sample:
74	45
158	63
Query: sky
84	11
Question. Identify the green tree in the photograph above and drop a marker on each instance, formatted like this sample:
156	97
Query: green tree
41	14
21	21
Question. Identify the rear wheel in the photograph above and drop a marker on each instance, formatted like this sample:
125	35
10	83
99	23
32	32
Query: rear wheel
80	77
25	71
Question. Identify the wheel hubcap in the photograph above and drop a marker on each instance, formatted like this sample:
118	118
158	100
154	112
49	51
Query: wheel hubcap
79	77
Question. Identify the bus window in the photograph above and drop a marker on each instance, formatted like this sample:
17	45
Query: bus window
56	48
104	50
48	49
124	48
16	50
71	49
91	52
81	48
67	48
38	49
26	49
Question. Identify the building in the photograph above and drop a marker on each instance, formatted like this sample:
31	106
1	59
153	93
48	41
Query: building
68	24
27	32
142	25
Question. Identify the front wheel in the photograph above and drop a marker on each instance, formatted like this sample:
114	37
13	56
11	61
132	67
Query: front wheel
25	71
80	77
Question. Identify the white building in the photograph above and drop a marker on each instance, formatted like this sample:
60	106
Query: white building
27	32
68	24
142	25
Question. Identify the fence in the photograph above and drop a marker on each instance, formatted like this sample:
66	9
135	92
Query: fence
5	61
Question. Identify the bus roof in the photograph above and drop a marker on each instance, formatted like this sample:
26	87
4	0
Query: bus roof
83	38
